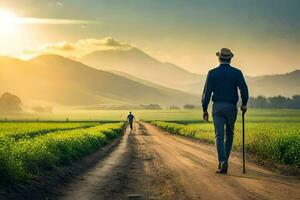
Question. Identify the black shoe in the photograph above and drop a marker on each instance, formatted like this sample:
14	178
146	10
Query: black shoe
223	168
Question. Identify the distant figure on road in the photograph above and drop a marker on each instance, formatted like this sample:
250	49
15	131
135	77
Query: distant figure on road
130	118
223	82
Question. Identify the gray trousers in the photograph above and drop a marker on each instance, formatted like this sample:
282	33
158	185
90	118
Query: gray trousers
224	117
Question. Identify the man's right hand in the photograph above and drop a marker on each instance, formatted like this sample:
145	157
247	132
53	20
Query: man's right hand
205	115
244	109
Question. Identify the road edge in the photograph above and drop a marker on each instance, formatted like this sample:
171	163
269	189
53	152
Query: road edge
281	169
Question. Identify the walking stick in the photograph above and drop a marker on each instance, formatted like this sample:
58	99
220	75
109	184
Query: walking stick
243	119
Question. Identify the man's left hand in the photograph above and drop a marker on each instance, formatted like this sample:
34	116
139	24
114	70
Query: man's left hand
244	109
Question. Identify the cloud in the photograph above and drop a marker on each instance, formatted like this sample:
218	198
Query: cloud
51	48
49	21
28	51
76	49
55	3
105	42
59	4
61	46
55	21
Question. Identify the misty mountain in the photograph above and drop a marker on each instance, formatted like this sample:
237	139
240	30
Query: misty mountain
139	66
137	63
62	81
272	85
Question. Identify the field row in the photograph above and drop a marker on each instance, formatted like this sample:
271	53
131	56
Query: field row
21	130
26	157
279	142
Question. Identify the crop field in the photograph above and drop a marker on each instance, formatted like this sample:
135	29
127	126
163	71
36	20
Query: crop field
26	149
270	134
19	130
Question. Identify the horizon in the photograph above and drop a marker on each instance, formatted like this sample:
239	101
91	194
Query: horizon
264	37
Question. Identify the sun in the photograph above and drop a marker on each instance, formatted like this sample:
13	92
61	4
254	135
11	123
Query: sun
8	22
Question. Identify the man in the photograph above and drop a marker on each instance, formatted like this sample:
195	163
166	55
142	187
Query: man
130	118
223	83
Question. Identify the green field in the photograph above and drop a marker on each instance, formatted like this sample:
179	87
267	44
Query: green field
27	149
270	134
21	130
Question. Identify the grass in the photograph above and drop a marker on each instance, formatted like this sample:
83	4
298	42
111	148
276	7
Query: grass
275	141
22	159
20	130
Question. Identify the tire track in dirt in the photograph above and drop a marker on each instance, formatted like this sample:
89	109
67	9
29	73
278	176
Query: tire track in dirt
100	181
132	171
161	183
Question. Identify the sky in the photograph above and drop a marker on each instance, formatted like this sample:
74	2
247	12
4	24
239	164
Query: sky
264	35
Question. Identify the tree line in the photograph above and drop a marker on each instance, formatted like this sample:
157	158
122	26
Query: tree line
262	102
275	102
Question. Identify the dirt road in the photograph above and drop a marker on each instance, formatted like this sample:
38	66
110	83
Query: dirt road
152	164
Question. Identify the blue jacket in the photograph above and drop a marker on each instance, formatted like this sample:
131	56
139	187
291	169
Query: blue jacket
130	118
223	82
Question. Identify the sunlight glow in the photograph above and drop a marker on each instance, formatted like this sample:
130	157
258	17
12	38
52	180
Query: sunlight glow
29	20
8	22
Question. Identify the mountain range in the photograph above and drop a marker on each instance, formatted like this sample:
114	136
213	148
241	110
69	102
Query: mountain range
134	62
62	81
118	78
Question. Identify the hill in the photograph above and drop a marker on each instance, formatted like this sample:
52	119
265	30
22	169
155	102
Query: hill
62	81
136	63
272	85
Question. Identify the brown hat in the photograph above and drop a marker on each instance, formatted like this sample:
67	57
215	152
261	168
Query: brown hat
225	53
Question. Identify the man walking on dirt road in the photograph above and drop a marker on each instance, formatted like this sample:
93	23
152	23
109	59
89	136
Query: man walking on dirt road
223	83
130	118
